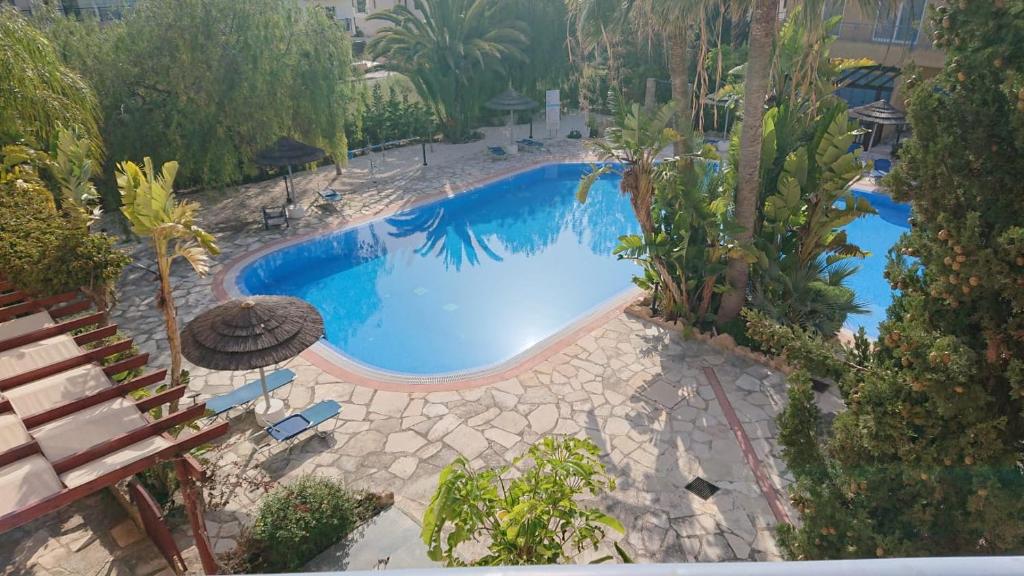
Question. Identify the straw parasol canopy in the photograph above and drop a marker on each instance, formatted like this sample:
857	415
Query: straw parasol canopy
286	153
880	112
252	332
511	100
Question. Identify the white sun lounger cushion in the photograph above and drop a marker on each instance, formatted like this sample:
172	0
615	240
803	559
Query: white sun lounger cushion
35	397
25	324
26	481
12	432
87	428
111	462
36	355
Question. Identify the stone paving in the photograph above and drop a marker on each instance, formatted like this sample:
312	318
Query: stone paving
636	389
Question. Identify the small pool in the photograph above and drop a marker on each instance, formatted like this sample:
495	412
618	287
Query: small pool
462	284
875	234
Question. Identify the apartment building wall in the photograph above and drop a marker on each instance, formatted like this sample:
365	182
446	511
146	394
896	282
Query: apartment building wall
891	39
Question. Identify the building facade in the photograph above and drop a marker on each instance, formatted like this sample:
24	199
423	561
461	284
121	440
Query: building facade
894	35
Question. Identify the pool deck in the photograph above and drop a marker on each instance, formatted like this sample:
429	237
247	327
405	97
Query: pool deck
663	409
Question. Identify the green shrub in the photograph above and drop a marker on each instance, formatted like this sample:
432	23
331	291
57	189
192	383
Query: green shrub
44	250
296	522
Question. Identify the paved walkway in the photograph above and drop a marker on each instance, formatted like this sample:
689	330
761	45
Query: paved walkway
639	391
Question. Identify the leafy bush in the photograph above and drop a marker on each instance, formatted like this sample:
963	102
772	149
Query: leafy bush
43	250
528	518
296	522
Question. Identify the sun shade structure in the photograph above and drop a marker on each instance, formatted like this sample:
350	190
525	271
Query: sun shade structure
511	100
877	114
286	153
68	426
252	332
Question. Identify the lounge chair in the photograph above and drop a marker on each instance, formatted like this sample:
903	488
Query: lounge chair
249	392
852	147
329	195
531	144
497	152
882	166
290	428
275	217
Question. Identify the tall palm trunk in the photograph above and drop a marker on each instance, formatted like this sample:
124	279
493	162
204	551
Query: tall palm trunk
762	34
679	69
170	315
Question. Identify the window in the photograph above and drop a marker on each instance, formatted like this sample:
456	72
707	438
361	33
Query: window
899	23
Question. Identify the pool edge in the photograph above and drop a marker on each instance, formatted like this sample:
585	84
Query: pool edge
333	362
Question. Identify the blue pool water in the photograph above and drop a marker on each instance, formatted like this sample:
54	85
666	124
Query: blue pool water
875	234
463	283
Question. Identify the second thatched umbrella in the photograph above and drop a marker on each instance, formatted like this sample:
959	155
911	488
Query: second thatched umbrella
511	100
286	153
251	332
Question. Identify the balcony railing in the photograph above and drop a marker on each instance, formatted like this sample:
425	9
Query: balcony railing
961	566
913	37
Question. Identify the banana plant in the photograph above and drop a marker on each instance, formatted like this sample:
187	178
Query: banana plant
73	170
149	204
803	249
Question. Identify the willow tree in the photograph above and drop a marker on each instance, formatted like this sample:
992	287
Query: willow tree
39	94
222	80
453	51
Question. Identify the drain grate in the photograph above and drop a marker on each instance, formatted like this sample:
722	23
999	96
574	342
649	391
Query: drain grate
702	488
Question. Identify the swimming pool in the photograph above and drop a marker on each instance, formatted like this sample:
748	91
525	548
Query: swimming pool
462	284
876	234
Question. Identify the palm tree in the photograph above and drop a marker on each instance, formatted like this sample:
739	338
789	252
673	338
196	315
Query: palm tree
149	205
674	19
634	140
758	76
449	50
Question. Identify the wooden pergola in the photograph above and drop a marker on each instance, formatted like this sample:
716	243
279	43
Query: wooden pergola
68	425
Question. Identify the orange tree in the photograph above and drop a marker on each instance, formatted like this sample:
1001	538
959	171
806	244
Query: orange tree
926	459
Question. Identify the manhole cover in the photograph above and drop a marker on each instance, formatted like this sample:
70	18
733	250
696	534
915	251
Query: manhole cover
702	488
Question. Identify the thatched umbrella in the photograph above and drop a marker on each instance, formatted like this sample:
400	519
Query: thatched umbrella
880	113
511	100
251	332
286	153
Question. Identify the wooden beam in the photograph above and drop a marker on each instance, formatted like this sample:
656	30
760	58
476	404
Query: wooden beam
5	406
5	285
194	509
127	439
164	397
62	410
31	306
51	331
96	335
12	297
69	495
18	452
130	363
68	310
67	364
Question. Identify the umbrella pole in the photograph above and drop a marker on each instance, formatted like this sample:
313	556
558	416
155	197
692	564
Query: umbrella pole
511	126
287	186
263	385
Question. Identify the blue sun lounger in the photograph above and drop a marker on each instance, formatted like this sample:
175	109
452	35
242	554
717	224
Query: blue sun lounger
882	166
246	394
497	152
291	427
530	143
